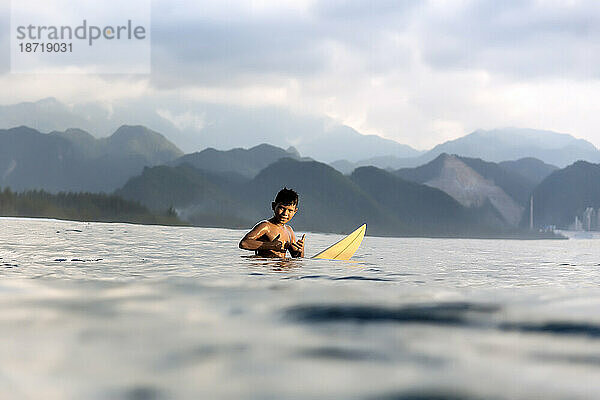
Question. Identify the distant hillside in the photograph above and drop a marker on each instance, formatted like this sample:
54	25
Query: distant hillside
529	168
473	182
498	145
339	142
383	162
246	162
200	197
513	143
344	166
140	141
83	142
162	187
422	208
564	194
329	200
386	162
514	184
74	160
31	160
127	141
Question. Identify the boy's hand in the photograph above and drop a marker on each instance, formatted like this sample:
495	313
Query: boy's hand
299	245
275	244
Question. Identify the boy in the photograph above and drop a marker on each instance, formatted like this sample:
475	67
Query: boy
272	237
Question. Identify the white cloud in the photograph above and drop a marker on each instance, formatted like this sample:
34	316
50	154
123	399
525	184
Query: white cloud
77	88
418	72
183	121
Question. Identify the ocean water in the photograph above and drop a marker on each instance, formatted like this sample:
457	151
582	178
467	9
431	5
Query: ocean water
119	311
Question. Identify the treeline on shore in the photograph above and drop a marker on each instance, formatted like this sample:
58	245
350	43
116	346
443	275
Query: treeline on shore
93	207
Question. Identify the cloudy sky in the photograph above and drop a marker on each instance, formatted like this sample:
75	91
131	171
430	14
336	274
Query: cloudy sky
419	72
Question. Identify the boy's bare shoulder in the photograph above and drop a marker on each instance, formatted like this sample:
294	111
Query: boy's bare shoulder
262	226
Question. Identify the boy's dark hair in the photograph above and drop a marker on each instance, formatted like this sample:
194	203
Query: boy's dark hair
287	196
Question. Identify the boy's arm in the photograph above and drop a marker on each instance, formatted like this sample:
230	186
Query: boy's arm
250	240
296	248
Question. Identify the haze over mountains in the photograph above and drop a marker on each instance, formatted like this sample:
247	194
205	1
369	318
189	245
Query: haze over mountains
513	143
203	125
496	145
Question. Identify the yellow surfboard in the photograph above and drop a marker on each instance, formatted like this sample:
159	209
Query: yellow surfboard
345	248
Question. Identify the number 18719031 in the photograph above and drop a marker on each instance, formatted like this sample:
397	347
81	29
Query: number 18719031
36	47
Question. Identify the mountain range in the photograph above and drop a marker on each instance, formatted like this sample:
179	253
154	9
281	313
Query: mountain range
498	145
141	164
329	201
73	160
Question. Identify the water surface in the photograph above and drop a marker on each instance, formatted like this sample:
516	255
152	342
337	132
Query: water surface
119	311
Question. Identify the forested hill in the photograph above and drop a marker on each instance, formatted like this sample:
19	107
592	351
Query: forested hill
80	207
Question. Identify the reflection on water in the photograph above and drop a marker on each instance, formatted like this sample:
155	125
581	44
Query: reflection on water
117	311
274	264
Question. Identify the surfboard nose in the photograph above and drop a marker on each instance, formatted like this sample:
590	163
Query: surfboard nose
345	248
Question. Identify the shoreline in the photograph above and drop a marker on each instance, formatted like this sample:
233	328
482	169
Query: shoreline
58	219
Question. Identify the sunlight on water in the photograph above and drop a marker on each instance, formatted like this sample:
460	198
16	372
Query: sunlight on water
111	311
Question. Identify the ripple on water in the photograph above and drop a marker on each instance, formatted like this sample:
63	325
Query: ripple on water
582	359
360	278
142	392
428	394
198	354
554	328
343	354
443	313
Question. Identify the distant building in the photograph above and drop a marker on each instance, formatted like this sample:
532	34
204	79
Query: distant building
548	228
576	225
531	213
589	219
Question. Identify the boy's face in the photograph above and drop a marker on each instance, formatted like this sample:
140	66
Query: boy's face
283	213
